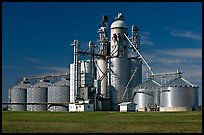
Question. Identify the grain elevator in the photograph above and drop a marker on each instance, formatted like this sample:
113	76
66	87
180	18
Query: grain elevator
106	75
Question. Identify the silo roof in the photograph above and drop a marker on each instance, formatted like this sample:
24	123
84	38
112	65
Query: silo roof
147	86
42	84
148	83
178	82
22	85
62	82
118	24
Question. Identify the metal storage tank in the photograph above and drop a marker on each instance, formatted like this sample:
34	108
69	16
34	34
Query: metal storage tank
18	94
179	95
38	94
143	94
86	67
101	74
137	78
86	73
59	93
119	80
157	94
72	80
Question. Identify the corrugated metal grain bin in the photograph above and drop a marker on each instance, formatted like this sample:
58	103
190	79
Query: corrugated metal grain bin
38	94
144	94
59	93
19	95
179	95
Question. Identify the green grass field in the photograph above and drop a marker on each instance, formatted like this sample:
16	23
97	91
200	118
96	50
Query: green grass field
102	122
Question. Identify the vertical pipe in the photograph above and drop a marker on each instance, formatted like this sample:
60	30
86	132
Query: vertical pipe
91	46
76	84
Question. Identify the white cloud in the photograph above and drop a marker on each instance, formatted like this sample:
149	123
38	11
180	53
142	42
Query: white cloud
154	58
145	39
48	68
32	60
174	56
193	72
170	60
184	33
54	69
187	60
183	52
12	67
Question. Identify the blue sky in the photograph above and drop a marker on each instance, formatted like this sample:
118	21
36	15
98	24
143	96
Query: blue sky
36	36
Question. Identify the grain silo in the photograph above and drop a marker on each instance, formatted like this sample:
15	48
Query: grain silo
119	74
18	94
58	93
101	75
144	95
135	74
112	75
38	94
179	95
75	80
86	73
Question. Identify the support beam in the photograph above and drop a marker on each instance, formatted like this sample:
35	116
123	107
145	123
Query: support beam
139	54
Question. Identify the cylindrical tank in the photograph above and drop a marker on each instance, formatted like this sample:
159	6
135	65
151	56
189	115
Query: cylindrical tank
137	78
157	94
73	80
37	94
144	94
101	74
143	99
19	95
86	73
119	67
59	93
86	67
118	40
178	95
119	80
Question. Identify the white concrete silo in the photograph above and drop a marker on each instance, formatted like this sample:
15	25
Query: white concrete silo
119	61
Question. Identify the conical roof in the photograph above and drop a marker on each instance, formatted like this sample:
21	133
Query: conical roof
179	82
22	85
62	82
148	83
42	83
